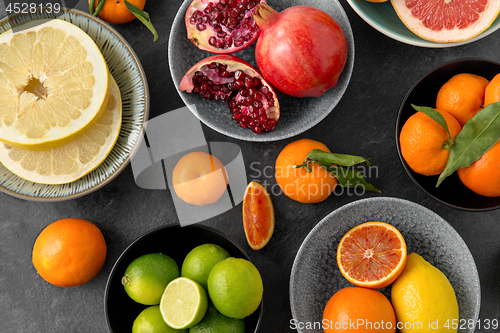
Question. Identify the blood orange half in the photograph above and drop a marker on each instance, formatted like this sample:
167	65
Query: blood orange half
258	215
447	21
372	255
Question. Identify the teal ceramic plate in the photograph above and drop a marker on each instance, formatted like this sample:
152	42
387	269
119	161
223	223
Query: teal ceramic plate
383	17
128	73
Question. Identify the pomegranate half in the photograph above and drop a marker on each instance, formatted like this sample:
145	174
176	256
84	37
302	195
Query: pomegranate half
222	26
301	51
252	101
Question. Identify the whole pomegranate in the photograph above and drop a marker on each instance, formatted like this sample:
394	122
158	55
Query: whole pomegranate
251	100
301	51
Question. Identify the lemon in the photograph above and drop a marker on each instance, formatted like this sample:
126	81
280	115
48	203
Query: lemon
53	84
150	320
423	298
235	287
184	303
199	262
147	276
73	160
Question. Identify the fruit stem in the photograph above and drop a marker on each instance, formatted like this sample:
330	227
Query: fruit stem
264	15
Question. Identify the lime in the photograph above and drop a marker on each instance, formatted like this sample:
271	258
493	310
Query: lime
235	287
146	277
150	320
184	303
216	322
199	262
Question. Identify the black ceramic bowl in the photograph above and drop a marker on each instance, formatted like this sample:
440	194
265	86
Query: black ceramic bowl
451	191
176	242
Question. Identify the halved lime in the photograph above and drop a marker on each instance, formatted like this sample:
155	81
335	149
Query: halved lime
184	303
200	260
235	287
146	277
150	320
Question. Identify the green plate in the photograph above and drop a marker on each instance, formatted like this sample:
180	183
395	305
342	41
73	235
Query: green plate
128	74
383	17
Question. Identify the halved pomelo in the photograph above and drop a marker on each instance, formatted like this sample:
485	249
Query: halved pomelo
372	255
75	159
447	21
53	84
258	215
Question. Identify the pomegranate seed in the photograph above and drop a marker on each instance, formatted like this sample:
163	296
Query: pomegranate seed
201	27
212	41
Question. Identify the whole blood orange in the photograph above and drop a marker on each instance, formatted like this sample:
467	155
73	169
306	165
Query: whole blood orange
69	252
358	310
447	21
258	215
199	178
372	255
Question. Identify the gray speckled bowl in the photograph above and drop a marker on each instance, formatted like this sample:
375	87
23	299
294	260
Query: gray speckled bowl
316	277
297	114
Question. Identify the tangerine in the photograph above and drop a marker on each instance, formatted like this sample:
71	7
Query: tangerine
116	12
462	96
358	310
423	140
258	215
297	183
372	255
69	252
492	91
483	176
199	178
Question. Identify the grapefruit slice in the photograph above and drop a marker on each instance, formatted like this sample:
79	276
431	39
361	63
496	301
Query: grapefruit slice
372	255
447	21
258	215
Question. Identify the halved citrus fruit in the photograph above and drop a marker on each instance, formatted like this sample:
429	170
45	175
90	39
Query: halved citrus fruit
258	215
73	160
447	21
372	255
53	84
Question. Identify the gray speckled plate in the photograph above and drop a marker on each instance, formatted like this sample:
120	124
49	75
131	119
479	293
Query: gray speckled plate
297	114
316	277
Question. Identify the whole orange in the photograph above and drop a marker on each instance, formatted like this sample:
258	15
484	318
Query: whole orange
358	310
199	178
422	142
492	91
462	96
116	12
297	183
69	252
483	176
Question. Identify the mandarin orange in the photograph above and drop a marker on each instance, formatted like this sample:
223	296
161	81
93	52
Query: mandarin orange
358	310
297	183
69	252
116	12
199	178
492	91
422	141
462	96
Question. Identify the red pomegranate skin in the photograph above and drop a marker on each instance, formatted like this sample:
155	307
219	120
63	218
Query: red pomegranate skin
301	51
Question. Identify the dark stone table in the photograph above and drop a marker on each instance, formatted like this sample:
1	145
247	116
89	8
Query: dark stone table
363	123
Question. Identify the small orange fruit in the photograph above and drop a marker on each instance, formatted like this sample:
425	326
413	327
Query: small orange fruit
69	252
423	141
372	255
483	176
462	96
297	183
492	92
258	215
199	178
358	310
116	12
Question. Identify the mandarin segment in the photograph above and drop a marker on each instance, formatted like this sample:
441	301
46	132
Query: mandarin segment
372	254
